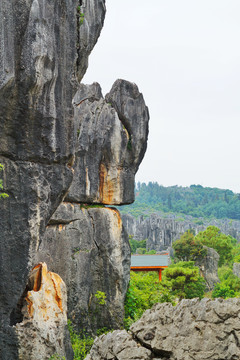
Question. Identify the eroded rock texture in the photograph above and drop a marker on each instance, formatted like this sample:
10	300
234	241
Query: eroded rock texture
44	127
43	330
112	140
161	232
206	329
209	268
43	55
89	248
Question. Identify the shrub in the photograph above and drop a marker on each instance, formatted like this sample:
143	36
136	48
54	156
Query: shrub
144	291
184	281
223	291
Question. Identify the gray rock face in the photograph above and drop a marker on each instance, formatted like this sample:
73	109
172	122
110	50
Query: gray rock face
161	232
133	113
236	269
119	127
89	249
209	268
90	19
88	246
44	51
206	329
40	66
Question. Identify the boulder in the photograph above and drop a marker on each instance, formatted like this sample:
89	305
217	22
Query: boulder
206	329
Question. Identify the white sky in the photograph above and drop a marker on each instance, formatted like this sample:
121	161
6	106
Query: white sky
184	55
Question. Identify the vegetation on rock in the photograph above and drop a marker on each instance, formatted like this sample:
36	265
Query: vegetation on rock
2	194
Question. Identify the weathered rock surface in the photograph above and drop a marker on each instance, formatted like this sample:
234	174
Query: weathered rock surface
43	330
44	51
89	248
161	232
236	269
112	140
206	329
209	268
43	55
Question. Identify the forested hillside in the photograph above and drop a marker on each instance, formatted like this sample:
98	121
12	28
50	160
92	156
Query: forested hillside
196	200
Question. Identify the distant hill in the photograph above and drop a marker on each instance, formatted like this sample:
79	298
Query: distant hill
196	200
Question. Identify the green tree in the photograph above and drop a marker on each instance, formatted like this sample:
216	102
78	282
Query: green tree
223	244
184	281
2	194
144	291
189	248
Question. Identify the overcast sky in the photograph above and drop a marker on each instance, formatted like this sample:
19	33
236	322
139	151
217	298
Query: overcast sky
185	58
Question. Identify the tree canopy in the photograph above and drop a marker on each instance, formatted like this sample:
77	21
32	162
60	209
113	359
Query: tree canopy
196	200
189	248
223	244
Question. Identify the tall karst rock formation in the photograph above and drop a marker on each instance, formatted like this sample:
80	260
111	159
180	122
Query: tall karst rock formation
54	133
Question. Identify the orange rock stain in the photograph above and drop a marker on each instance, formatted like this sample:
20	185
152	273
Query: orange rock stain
116	212
57	286
45	296
108	188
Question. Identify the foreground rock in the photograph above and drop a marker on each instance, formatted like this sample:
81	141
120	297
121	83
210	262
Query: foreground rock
43	308
89	248
193	329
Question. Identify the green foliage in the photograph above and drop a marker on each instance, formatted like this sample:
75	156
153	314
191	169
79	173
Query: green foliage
180	281
229	281
139	247
184	281
2	194
57	357
189	248
80	15
90	206
236	253
151	252
223	291
144	291
196	200
81	344
101	297
223	244
134	244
